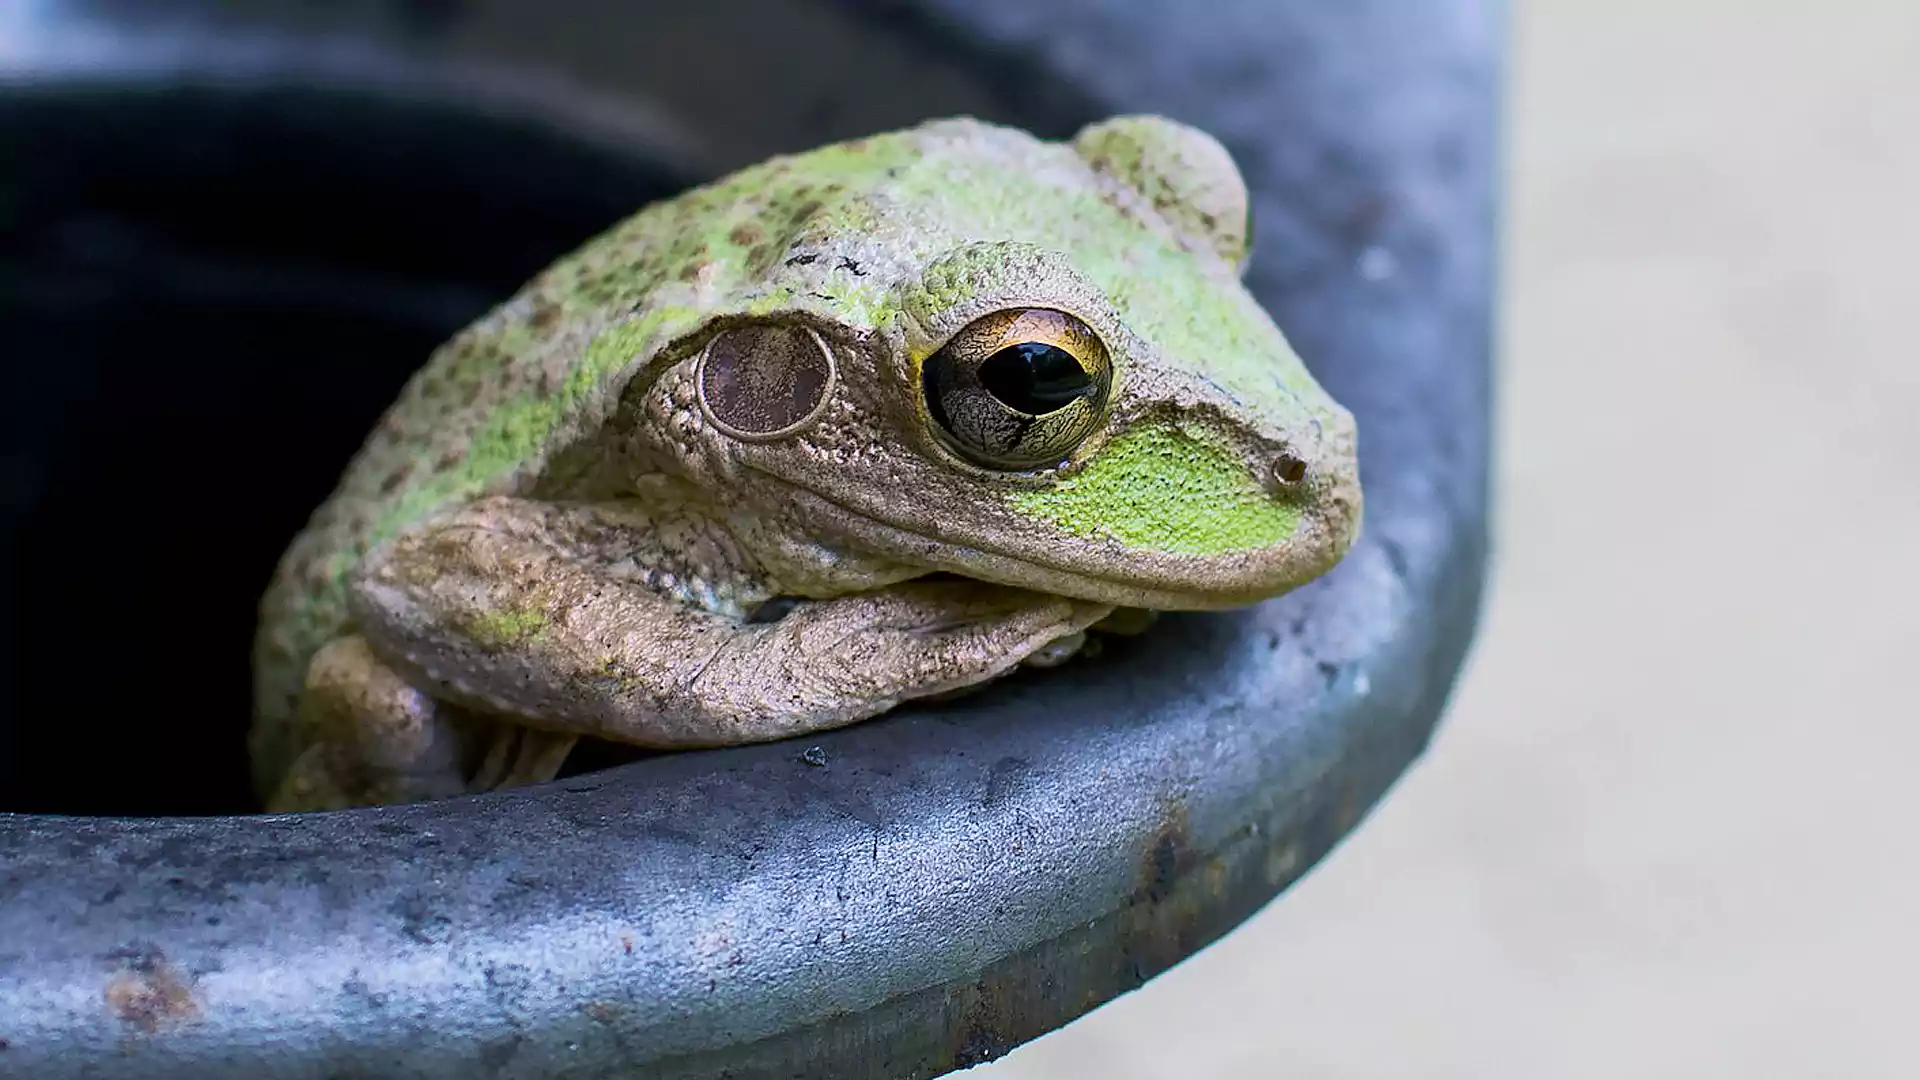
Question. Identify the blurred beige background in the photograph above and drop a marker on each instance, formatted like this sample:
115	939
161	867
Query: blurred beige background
1668	829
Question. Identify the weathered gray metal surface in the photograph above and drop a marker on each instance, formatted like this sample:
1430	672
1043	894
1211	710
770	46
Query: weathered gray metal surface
950	882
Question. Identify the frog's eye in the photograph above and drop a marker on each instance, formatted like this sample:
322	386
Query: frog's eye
1020	388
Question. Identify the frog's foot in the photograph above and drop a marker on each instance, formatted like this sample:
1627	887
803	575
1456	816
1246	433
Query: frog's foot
1056	652
1124	622
520	755
491	608
374	739
1086	645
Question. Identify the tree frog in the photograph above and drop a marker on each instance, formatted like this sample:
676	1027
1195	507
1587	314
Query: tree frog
881	421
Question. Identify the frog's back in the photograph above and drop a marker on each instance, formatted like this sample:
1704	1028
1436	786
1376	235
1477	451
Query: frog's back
500	403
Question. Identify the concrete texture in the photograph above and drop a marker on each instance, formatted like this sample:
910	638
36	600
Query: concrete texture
1667	830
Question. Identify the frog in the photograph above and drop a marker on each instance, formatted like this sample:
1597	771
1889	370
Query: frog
883	421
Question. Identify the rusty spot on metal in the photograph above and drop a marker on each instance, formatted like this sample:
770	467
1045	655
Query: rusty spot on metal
1184	895
1164	922
149	992
993	1016
1169	855
1348	813
1216	878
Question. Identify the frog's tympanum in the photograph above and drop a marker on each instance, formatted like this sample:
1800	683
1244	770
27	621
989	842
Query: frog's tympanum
877	422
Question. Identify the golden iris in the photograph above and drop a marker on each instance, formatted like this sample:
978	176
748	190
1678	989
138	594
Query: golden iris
1019	389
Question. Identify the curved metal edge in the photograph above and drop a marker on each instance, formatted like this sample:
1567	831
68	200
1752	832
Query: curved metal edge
63	44
744	913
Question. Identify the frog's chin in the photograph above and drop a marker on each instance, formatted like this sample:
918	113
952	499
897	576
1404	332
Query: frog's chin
1169	585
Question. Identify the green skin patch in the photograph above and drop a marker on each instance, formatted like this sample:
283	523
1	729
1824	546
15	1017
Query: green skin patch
516	431
505	629
1158	488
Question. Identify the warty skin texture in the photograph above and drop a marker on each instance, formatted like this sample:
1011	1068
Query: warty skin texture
582	390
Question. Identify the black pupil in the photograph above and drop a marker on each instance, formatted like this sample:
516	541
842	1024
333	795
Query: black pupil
1035	378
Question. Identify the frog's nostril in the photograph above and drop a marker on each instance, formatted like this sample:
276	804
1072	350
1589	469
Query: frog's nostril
1287	470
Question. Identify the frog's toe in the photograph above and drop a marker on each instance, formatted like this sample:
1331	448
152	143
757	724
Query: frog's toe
315	782
1057	652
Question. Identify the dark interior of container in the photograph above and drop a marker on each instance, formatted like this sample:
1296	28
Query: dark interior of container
206	299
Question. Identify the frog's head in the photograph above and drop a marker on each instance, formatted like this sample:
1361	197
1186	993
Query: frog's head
1034	364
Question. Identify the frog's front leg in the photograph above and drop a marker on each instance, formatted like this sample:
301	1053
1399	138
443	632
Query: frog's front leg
526	609
373	738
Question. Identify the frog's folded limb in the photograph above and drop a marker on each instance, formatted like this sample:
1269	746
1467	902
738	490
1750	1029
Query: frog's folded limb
373	739
491	608
370	737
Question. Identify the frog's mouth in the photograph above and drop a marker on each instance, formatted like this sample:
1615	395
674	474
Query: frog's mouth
1155	580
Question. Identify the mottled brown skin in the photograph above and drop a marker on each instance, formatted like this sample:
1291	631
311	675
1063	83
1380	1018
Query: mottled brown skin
554	533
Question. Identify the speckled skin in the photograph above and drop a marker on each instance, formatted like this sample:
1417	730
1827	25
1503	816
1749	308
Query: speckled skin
566	422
